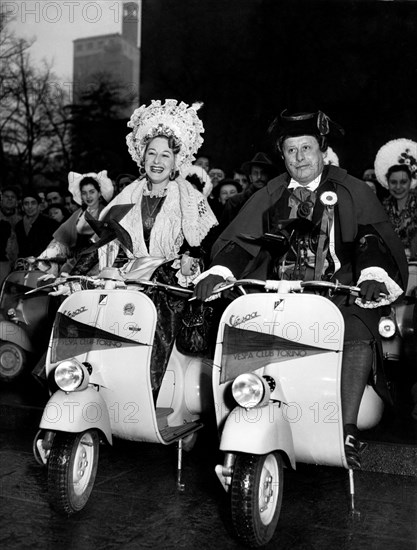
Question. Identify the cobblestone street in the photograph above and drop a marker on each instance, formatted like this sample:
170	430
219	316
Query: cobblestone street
135	503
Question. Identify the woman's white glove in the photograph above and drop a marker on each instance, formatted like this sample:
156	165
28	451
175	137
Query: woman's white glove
44	279
64	288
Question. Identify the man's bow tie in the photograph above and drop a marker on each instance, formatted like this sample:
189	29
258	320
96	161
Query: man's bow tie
303	194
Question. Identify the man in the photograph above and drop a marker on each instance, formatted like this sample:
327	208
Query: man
54	196
352	242
9	212
69	204
259	171
204	162
216	176
9	204
34	232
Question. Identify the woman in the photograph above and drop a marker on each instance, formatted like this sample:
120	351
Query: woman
395	169
57	212
92	192
401	207
224	190
168	219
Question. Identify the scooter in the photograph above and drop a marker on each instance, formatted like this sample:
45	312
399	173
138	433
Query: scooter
98	369
25	320
276	386
398	330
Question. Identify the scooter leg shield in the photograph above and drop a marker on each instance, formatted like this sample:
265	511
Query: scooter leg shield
76	412
258	431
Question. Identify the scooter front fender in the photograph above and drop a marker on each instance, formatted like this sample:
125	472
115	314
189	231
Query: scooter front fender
258	431
76	412
10	332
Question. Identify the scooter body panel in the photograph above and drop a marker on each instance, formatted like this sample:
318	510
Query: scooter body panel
11	332
113	331
76	412
297	340
258	431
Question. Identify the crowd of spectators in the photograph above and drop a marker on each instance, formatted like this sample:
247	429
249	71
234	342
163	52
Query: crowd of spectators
29	218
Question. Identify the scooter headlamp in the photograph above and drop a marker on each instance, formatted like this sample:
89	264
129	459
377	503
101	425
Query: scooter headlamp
250	390
71	375
387	327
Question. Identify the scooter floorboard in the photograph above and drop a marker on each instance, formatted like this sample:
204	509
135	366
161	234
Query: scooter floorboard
173	433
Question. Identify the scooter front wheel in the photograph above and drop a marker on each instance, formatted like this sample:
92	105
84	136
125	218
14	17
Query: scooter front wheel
256	497
72	469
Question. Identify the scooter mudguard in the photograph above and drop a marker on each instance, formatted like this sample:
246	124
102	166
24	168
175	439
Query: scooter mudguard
76	412
10	332
258	431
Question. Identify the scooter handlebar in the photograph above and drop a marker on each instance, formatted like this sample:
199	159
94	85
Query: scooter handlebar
286	286
156	284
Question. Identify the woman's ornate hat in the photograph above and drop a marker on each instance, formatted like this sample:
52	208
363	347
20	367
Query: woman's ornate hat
395	153
105	184
171	119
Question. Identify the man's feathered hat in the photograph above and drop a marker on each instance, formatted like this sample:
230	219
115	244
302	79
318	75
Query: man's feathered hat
303	124
171	119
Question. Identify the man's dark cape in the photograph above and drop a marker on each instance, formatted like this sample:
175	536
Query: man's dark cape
357	205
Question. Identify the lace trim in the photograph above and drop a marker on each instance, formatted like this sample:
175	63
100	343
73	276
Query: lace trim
220	270
54	249
380	275
157	193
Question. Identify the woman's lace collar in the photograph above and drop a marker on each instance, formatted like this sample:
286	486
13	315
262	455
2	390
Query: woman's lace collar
155	192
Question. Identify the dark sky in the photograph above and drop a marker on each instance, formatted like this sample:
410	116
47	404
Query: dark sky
250	59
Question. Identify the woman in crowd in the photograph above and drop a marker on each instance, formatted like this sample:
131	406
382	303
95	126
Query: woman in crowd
225	189
57	212
168	219
92	192
395	169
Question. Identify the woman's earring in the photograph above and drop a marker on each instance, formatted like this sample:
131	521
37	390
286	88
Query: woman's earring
141	170
172	174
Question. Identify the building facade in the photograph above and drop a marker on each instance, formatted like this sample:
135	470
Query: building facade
117	55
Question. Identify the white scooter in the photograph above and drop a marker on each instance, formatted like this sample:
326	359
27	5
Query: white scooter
276	384
98	369
25	321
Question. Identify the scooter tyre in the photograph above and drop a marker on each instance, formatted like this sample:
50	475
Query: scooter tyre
256	479
72	469
13	362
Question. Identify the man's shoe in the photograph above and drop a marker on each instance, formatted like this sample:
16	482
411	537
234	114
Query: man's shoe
353	450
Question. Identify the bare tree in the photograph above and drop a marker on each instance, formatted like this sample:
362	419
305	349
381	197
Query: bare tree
34	125
99	118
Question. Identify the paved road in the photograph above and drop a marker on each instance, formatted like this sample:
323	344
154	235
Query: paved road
135	504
